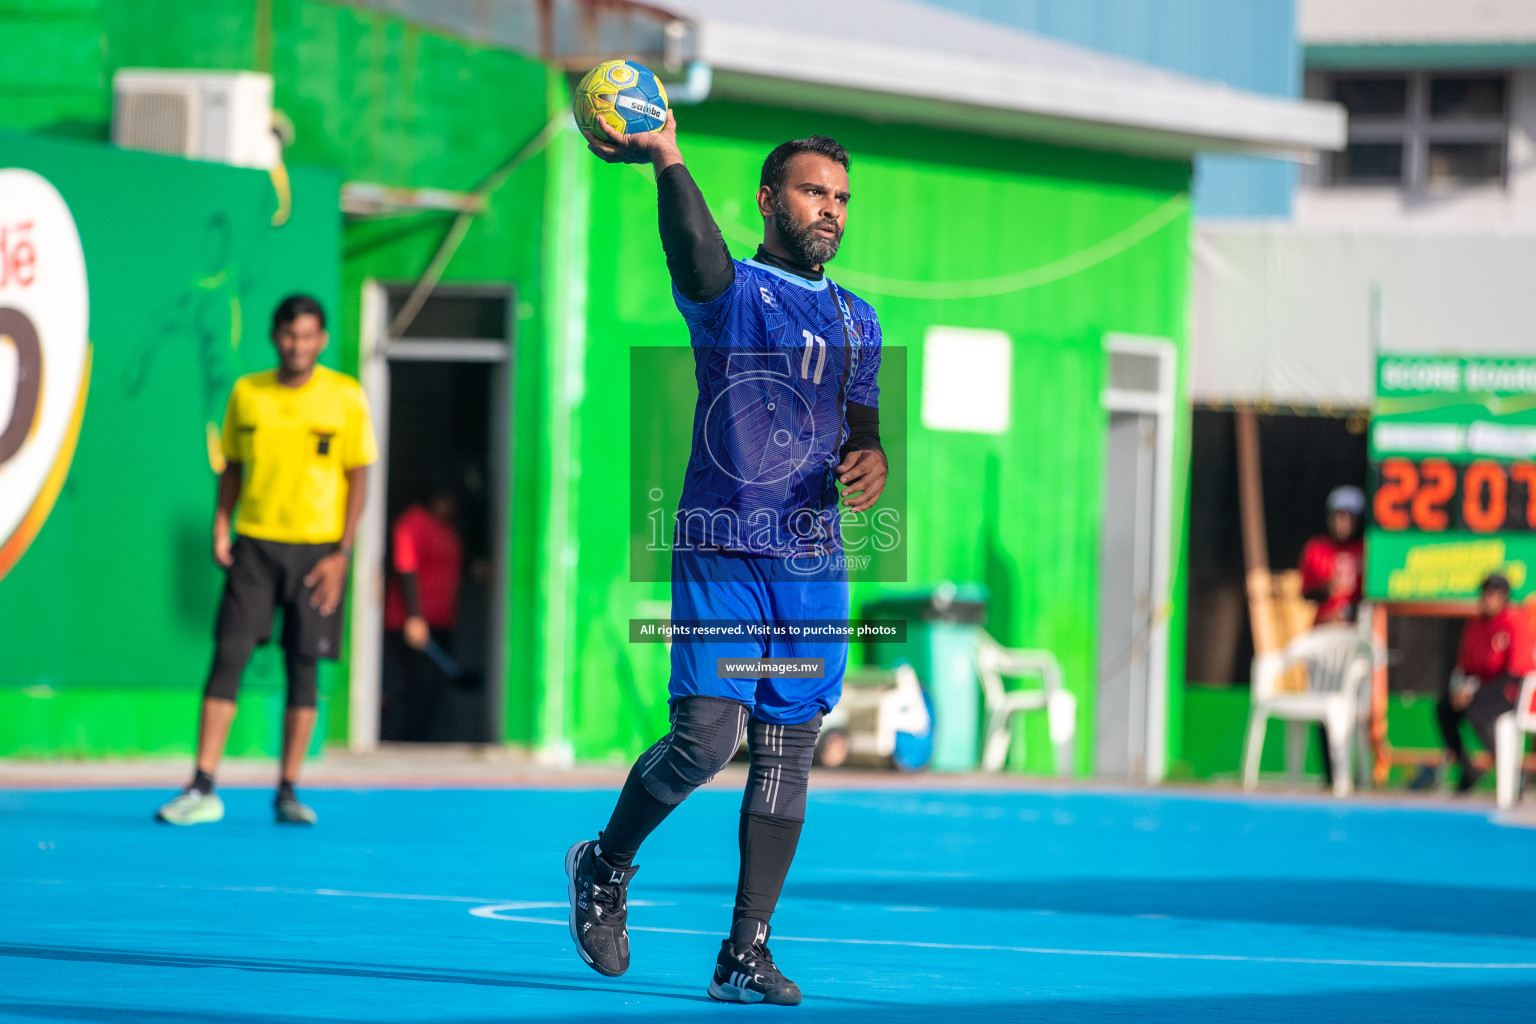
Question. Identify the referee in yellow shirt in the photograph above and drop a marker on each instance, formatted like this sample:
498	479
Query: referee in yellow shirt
297	445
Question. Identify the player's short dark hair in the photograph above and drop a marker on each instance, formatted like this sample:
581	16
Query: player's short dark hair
1495	582
295	306
778	161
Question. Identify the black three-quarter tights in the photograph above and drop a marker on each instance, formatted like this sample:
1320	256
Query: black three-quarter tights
767	849
229	660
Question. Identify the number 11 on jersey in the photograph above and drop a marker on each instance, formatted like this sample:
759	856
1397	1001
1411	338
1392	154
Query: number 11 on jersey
812	340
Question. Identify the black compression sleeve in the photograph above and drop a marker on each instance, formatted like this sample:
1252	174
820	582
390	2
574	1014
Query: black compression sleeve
863	429
411	589
697	258
767	849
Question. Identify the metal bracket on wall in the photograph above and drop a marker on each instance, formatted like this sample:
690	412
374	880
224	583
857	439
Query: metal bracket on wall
367	199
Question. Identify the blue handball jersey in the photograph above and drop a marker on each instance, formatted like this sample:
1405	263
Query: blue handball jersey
777	359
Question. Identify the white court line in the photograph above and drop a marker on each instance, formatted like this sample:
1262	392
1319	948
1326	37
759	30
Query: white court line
494	912
513	905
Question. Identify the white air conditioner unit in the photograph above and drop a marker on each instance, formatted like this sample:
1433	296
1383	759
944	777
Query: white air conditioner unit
224	116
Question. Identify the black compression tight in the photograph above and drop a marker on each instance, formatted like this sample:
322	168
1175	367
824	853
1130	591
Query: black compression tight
229	662
767	849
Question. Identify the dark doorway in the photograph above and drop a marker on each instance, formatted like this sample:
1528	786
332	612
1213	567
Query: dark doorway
440	442
1302	458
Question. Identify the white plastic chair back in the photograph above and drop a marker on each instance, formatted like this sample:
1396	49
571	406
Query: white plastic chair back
1525	708
1337	661
988	667
994	663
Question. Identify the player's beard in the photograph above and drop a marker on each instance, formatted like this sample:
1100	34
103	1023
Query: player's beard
803	243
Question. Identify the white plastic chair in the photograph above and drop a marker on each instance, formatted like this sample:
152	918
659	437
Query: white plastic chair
1509	734
994	663
1339	663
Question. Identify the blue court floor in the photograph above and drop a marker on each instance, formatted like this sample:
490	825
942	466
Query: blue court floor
904	906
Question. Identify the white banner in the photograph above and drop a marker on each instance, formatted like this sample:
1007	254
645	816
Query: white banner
44	353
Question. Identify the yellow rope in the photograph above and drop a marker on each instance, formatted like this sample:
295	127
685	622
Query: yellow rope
1017	281
280	185
1003	284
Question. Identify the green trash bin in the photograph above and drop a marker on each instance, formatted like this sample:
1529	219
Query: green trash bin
942	623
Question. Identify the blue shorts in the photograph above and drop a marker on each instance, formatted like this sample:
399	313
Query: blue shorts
710	583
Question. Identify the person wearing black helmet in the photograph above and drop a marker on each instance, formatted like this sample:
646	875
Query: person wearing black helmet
1332	564
1332	572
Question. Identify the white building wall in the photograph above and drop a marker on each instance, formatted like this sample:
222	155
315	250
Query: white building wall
1415	21
1508	205
1295	313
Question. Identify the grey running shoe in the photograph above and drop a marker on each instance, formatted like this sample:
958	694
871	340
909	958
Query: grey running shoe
745	971
599	913
294	811
193	807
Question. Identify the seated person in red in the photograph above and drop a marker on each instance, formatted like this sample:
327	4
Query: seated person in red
1332	565
1495	656
421	604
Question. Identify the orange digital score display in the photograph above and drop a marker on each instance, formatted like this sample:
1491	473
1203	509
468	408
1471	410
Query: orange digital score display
1439	496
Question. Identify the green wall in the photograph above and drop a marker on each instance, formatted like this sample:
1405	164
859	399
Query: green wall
375	99
383	101
1019	512
106	621
1086	243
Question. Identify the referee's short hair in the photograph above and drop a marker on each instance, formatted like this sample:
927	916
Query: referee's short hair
778	161
295	306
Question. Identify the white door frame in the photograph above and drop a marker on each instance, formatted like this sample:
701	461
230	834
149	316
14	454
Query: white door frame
369	572
1160	405
368	575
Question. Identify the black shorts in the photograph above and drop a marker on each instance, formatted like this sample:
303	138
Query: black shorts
265	575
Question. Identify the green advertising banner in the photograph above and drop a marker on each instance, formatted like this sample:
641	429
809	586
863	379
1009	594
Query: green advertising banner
134	288
1453	476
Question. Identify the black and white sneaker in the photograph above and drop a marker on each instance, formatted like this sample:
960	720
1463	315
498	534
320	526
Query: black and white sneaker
745	971
598	915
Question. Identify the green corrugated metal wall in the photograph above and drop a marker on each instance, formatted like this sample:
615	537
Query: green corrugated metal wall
105	622
380	101
384	101
1019	511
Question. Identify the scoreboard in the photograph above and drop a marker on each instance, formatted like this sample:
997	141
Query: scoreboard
1453	476
1435	495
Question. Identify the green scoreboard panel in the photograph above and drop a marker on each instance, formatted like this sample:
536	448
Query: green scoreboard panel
1453	476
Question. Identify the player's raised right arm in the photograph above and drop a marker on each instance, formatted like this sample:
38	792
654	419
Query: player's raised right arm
697	258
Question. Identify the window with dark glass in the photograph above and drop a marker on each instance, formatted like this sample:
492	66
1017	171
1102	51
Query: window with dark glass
1372	97
1421	130
1479	98
1374	162
1455	162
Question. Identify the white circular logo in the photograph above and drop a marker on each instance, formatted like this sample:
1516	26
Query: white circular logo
44	353
756	446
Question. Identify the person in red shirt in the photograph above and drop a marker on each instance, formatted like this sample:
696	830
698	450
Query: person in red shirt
1333	565
1332	570
421	606
1495	656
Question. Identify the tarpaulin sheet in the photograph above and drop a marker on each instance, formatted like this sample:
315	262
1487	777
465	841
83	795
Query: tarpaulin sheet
1291	315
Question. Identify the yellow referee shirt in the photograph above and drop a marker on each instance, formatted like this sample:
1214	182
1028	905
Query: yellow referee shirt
297	445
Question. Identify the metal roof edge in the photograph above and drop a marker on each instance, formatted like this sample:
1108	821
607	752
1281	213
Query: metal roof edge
1167	115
